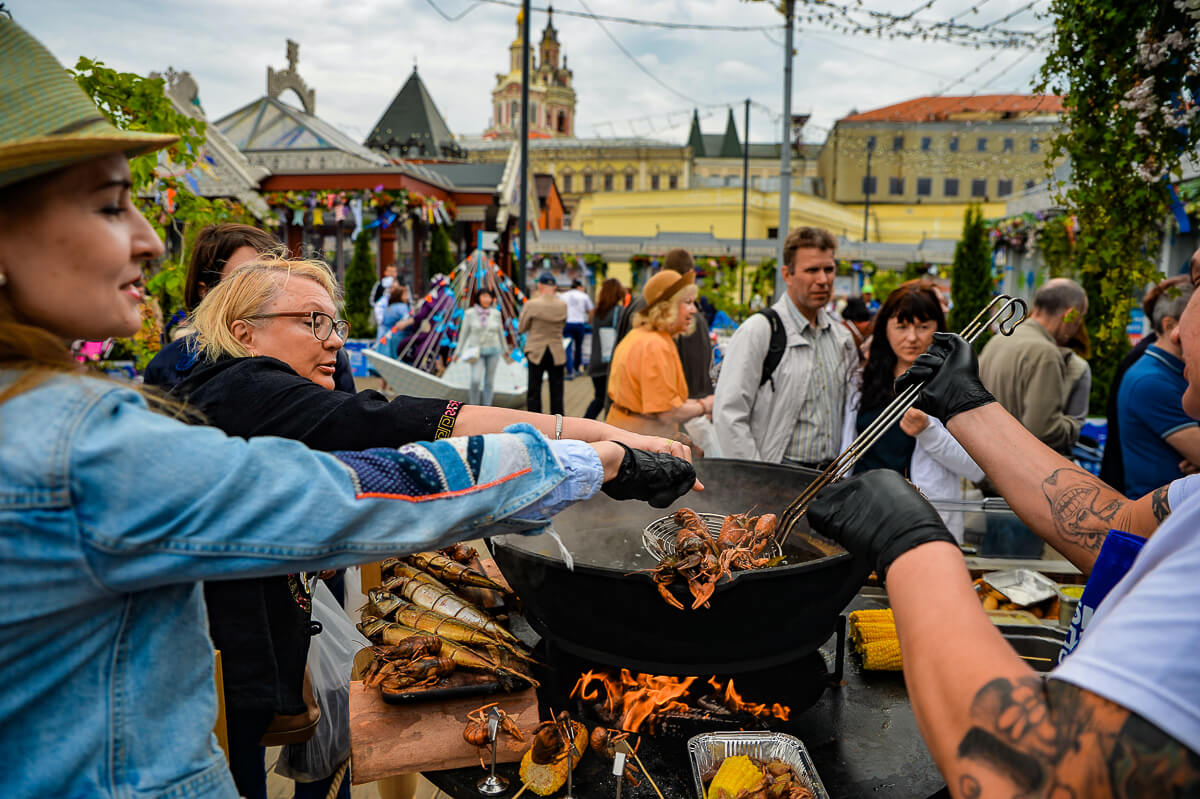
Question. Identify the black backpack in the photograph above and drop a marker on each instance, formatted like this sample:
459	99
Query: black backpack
775	349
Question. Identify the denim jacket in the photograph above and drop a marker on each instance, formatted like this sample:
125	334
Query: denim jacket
110	515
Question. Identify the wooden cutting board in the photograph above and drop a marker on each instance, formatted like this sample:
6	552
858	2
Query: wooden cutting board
386	740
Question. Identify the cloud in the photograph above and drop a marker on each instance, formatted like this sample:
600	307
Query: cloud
357	55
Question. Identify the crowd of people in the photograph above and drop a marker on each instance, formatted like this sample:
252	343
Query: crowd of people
143	525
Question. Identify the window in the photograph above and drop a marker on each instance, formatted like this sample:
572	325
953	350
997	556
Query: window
924	187
608	182
1029	184
950	189
979	187
772	233
953	144
587	183
629	183
897	143
868	186
1008	145
981	145
673	182
654	182
1003	188
870	142
926	144
1034	145
567	183
895	186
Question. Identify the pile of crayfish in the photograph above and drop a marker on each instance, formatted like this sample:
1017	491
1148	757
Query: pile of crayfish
703	560
425	629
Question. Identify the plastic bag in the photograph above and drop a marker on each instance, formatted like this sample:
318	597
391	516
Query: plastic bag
331	660
702	431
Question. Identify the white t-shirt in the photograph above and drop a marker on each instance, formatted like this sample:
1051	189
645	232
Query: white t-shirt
579	305
1142	648
1181	489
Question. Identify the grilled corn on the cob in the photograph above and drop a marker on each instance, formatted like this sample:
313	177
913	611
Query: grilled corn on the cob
873	633
736	774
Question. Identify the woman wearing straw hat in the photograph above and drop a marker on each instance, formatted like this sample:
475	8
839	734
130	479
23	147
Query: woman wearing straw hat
646	382
112	514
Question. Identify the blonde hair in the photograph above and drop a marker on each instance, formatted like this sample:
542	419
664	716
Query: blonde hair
664	316
245	293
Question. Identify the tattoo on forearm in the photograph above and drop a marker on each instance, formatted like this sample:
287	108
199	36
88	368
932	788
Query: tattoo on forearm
1081	506
1052	740
1159	503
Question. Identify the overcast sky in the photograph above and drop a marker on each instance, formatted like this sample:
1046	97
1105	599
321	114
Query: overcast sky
358	53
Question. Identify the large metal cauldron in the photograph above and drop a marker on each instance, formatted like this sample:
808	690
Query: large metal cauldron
610	613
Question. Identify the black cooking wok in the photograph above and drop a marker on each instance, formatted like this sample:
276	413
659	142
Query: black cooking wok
608	612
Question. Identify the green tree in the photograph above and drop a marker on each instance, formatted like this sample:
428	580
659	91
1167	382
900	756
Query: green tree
360	279
132	102
971	284
1127	73
440	258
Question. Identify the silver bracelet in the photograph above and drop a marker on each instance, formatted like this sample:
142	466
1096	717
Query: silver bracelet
558	420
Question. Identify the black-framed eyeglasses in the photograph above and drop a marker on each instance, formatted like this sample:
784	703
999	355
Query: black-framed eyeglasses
322	323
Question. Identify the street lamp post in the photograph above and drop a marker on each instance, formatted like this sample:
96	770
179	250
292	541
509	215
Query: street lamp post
519	272
785	155
745	189
867	192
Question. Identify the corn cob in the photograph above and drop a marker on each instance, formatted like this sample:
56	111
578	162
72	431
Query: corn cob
737	775
882	655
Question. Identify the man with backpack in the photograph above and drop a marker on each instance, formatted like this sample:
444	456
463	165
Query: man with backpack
782	387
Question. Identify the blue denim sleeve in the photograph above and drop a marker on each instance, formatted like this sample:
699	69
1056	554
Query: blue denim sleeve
159	502
585	475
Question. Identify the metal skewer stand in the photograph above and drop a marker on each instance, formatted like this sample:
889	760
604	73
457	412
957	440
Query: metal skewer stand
492	785
569	739
623	751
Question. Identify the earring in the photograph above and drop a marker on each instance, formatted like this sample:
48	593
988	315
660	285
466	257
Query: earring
3	279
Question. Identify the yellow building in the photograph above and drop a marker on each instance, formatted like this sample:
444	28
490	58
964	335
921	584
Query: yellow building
940	150
717	160
585	166
715	210
551	98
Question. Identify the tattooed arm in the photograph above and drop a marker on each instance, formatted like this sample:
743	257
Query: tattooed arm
1067	507
997	729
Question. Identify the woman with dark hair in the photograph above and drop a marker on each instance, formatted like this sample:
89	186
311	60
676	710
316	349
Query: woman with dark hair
605	317
216	252
480	344
919	447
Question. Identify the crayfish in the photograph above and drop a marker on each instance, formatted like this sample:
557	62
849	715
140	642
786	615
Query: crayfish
603	742
703	560
476	731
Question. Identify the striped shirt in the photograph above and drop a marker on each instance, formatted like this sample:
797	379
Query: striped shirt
817	436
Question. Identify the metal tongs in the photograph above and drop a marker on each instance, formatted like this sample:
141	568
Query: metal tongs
1011	312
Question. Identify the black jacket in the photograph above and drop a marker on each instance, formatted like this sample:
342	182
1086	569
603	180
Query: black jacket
261	625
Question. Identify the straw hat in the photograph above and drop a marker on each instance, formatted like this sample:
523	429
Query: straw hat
47	122
665	285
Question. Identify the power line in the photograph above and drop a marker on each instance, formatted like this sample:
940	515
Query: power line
632	58
643	22
458	16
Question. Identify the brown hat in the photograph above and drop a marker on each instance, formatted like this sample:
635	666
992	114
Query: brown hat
46	120
665	285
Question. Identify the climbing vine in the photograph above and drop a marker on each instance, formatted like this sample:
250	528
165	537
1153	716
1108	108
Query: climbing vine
1129	75
162	193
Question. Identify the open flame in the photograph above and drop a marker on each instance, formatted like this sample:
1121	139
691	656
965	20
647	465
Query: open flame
634	698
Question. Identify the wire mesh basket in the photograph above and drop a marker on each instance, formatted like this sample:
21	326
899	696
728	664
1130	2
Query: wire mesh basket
659	536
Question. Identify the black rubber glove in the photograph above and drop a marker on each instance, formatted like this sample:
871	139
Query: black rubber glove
654	477
950	372
877	516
